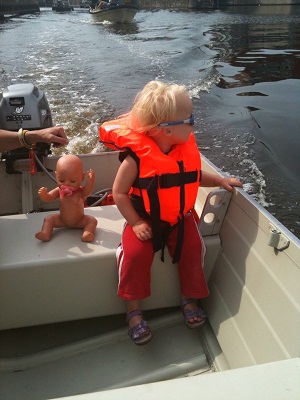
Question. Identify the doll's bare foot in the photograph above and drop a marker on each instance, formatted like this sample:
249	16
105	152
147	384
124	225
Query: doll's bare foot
44	237
87	236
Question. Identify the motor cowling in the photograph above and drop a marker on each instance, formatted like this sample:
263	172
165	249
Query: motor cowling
24	106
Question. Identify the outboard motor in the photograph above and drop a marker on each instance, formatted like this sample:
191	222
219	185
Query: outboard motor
24	106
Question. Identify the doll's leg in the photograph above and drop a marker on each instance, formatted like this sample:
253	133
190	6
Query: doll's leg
49	223
89	229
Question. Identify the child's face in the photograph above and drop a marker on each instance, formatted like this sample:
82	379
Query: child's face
181	133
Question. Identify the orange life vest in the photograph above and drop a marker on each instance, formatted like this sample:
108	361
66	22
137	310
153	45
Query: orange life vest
168	183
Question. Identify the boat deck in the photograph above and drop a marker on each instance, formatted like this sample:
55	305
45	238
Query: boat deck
40	337
103	357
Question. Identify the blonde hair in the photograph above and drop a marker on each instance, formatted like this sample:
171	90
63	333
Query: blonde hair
156	103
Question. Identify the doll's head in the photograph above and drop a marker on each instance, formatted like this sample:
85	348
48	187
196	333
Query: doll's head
69	172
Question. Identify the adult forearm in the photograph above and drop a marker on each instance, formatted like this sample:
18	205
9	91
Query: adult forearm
9	140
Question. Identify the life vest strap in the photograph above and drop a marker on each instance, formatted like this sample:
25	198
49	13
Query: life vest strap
180	235
166	181
157	238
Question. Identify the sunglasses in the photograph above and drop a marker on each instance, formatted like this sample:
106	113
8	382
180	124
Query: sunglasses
190	121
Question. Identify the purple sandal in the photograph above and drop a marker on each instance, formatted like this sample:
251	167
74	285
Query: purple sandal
141	333
188	314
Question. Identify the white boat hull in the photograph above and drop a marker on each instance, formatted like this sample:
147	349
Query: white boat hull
118	14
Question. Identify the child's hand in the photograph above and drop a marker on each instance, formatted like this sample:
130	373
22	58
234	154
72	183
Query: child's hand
142	230
229	183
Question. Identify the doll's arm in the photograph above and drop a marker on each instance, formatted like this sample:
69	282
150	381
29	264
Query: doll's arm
87	190
48	196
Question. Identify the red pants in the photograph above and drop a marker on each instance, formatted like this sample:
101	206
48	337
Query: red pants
135	258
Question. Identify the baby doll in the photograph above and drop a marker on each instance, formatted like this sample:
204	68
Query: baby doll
69	176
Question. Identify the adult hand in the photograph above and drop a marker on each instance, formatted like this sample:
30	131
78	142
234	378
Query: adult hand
54	135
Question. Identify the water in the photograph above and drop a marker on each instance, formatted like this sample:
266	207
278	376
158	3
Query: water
241	66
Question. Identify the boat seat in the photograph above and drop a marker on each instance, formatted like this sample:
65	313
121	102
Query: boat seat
66	279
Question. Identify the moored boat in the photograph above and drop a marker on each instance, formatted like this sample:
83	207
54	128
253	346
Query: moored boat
119	11
62	328
10	7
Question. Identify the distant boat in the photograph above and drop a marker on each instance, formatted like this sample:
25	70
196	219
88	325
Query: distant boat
116	12
85	4
62	6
